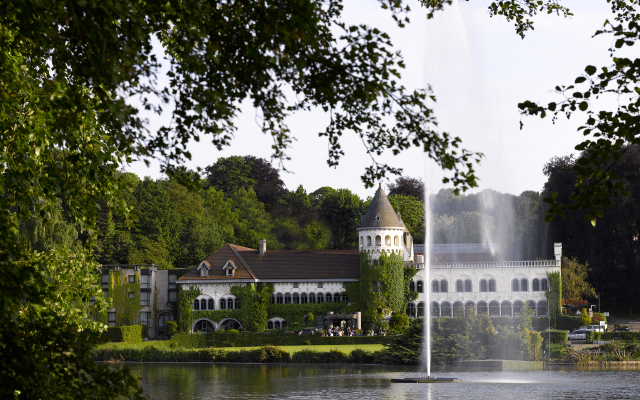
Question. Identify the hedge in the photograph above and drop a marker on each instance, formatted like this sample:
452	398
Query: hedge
557	337
172	329
204	340
561	322
129	334
266	354
608	336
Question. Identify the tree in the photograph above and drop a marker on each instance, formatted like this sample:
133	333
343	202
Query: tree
268	185
342	210
412	213
407	186
229	174
574	280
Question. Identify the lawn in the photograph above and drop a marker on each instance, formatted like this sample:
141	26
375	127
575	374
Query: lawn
346	348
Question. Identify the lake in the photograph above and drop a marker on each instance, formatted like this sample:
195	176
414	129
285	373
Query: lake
333	381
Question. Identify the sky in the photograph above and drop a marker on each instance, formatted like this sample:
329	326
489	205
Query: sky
479	69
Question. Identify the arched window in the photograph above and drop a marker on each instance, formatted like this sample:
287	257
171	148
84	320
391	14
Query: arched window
287	298
543	308
203	304
320	298
467	285
368	240
469	305
396	241
276	324
445	309
524	285
419	285
230	304
269	324
517	307
435	286
303	298
492	285
345	298
482	308
411	310
223	304
378	240
196	305
514	285
459	286
312	298
420	309
483	285
387	240
329	298
505	309
536	285
296	298
532	306
458	309
279	298
412	286
211	304
435	309
203	326
162	322
444	286
273	299
544	285
361	240
494	309
236	303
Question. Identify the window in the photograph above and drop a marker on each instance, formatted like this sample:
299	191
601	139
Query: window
279	298
459	286
542	307
387	240
412	286
435	309
144	318
544	285
172	281
517	306
492	285
269	324
482	308
320	298
444	286
223	304
445	309
203	304
378	240
524	285
494	309
419	287
132	279
458	309
468	306
296	285
368	240
329	298
320	285
287	298
173	296
435	287
303	298
396	241
105	282
273	299
514	285
236	304
505	309
144	298
111	318
467	285
296	298
536	285
162	322
144	281
483	285
132	295
196	305
361	240
421	309
312	298
345	299
411	310
211	304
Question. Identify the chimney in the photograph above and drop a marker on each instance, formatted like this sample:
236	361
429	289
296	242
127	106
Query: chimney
262	247
557	250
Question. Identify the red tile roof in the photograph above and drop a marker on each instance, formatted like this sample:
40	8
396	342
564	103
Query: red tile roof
282	264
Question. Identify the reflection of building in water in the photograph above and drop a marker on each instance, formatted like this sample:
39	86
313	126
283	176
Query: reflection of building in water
462	276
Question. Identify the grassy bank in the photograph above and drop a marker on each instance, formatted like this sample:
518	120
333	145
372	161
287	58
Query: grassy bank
267	354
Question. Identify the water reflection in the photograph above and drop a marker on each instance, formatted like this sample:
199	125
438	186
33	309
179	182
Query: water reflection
234	381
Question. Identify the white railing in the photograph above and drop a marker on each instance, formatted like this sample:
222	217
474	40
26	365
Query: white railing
498	264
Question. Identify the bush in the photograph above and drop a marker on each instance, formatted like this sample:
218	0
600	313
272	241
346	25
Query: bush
557	337
272	354
359	356
234	331
172	329
398	322
591	336
129	334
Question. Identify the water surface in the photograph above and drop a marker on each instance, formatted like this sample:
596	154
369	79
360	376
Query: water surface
331	381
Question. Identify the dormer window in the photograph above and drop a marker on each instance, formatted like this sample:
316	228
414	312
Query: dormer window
378	217
229	268
204	268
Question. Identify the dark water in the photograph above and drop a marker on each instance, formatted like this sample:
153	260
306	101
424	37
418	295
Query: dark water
235	381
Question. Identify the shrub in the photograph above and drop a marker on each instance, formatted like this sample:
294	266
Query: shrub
586	320
129	334
398	322
273	354
234	331
557	337
172	329
360	356
590	336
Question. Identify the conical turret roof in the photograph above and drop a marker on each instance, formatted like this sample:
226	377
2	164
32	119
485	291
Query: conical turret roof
380	213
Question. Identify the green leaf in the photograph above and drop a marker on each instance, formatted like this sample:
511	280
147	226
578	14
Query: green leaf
590	69
583	106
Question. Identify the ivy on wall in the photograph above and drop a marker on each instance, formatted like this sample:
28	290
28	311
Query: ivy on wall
554	294
253	299
185	302
127	309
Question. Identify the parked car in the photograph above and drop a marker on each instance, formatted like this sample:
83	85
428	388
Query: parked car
309	331
595	328
580	334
